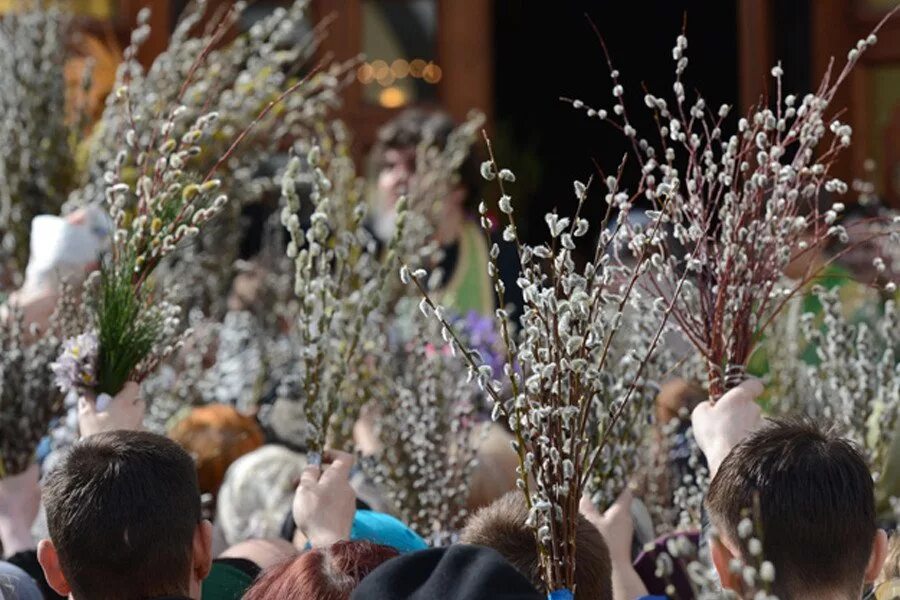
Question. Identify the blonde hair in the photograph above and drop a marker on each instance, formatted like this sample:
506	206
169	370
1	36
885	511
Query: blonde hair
257	493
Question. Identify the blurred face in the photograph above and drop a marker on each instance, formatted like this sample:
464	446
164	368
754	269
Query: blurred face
864	246
398	166
397	171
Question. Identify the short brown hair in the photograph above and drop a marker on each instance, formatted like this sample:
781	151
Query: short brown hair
816	505
501	526
122	510
330	573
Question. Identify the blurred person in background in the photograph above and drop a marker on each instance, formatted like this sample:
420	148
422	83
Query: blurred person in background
465	285
215	436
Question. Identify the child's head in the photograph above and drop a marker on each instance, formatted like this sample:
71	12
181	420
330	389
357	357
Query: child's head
816	510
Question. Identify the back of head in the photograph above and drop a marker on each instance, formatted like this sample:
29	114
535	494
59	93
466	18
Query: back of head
215	436
257	493
122	510
330	573
816	506
494	473
501	526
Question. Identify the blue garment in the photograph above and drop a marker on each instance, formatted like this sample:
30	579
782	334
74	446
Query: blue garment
385	530
16	583
43	449
567	595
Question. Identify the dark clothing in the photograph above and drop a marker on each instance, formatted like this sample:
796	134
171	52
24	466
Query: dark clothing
28	562
229	579
645	566
459	572
248	567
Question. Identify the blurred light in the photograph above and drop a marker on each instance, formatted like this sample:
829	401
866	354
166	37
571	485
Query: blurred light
416	67
392	97
387	80
381	69
400	68
432	73
365	73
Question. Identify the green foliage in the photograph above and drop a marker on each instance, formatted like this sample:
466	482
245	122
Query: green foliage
128	325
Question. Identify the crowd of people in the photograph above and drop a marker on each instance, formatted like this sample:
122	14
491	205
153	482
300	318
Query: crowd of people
220	509
637	421
124	519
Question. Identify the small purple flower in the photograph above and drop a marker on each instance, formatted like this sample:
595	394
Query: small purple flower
480	334
76	367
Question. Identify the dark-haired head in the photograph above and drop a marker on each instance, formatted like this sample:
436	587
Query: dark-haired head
123	511
816	506
330	573
394	156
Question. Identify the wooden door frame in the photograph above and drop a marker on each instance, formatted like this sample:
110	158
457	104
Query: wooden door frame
464	52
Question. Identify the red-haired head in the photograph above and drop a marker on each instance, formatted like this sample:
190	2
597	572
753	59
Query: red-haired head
321	573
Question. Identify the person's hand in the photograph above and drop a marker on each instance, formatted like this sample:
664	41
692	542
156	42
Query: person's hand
102	413
35	306
324	503
617	528
616	525
721	426
20	497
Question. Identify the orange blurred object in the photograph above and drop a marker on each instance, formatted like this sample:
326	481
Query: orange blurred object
106	56
215	436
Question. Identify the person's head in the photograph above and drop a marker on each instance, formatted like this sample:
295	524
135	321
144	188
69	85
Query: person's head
215	436
394	163
864	244
502	526
676	396
816	509
123	512
495	468
257	493
330	573
456	572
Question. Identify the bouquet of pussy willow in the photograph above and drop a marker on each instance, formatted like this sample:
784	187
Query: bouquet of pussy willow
130	326
37	132
156	205
204	68
29	400
565	400
841	368
425	416
732	210
342	281
338	282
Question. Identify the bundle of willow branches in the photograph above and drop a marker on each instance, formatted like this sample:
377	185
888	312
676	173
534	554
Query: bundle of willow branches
731	210
559	369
